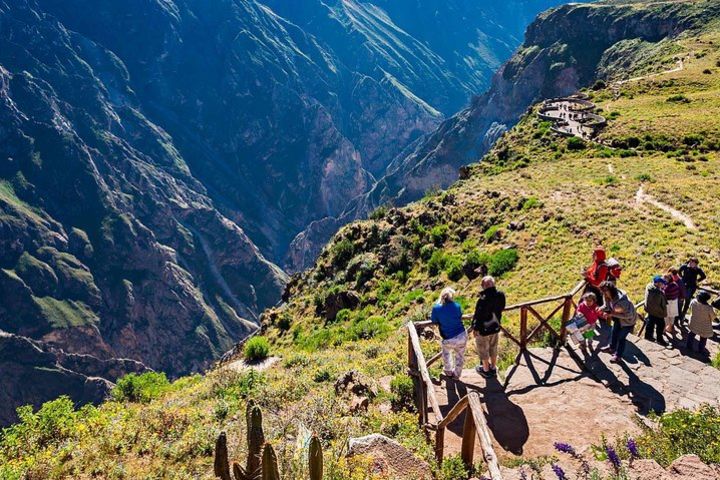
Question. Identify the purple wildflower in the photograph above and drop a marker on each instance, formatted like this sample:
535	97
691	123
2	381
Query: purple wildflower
613	457
565	448
632	448
559	472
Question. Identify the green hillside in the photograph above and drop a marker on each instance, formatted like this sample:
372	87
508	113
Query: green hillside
532	211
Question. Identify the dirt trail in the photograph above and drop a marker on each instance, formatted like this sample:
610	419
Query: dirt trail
642	197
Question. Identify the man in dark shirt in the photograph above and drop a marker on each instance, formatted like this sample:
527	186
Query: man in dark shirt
486	326
691	275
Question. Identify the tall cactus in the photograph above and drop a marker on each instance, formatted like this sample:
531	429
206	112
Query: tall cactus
270	469
262	462
315	459
255	440
222	465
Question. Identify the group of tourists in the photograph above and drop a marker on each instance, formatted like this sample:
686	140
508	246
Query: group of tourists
668	298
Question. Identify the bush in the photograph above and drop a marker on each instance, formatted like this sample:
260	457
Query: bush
453	468
503	261
684	432
402	389
492	233
454	268
343	315
342	252
140	387
644	177
599	85
576	143
438	234
367	329
256	349
678	99
379	213
693	140
707	71
531	203
436	264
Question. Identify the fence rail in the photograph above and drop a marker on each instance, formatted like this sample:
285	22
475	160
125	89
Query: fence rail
475	424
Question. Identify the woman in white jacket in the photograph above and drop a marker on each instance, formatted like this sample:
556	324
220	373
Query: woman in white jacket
701	320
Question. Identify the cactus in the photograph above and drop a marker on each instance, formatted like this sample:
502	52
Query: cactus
315	458
270	469
255	440
262	462
222	465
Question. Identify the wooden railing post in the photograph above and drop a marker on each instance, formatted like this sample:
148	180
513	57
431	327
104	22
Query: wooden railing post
523	329
440	444
467	449
566	315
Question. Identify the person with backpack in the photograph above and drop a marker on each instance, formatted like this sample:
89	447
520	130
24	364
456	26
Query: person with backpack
596	273
692	275
621	311
673	293
702	316
447	314
656	308
486	326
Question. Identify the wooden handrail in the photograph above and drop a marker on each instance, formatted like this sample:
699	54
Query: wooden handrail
483	434
422	367
475	426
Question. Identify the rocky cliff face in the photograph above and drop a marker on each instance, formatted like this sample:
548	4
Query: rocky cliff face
158	157
564	50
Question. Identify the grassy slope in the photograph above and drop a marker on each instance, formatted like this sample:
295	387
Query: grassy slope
568	201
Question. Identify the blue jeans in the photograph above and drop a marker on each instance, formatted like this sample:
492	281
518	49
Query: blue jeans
618	337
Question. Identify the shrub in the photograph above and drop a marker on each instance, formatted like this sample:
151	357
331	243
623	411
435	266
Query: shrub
426	252
367	329
438	234
644	177
599	85
453	468
576	143
707	71
608	180
678	99
342	252
256	349
436	263
684	432
492	233
322	375
379	213
284	322
140	387
343	315
402	389
503	261
693	139
531	203
53	423
454	267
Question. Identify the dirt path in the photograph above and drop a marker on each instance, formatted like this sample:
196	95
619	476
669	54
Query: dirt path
642	197
680	66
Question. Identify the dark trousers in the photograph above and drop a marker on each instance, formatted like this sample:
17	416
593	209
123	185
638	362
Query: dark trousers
654	328
618	337
689	294
691	337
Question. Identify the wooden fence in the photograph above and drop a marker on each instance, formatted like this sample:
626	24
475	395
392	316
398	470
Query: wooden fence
475	425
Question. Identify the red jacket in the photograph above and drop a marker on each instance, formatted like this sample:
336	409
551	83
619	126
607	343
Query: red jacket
598	271
591	314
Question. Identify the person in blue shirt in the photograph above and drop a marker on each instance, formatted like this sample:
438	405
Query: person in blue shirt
447	314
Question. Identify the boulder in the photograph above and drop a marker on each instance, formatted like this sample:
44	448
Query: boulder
690	467
388	458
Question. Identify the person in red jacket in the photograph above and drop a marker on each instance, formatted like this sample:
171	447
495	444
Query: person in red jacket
596	274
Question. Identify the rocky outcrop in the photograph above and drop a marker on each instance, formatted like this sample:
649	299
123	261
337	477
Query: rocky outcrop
44	374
